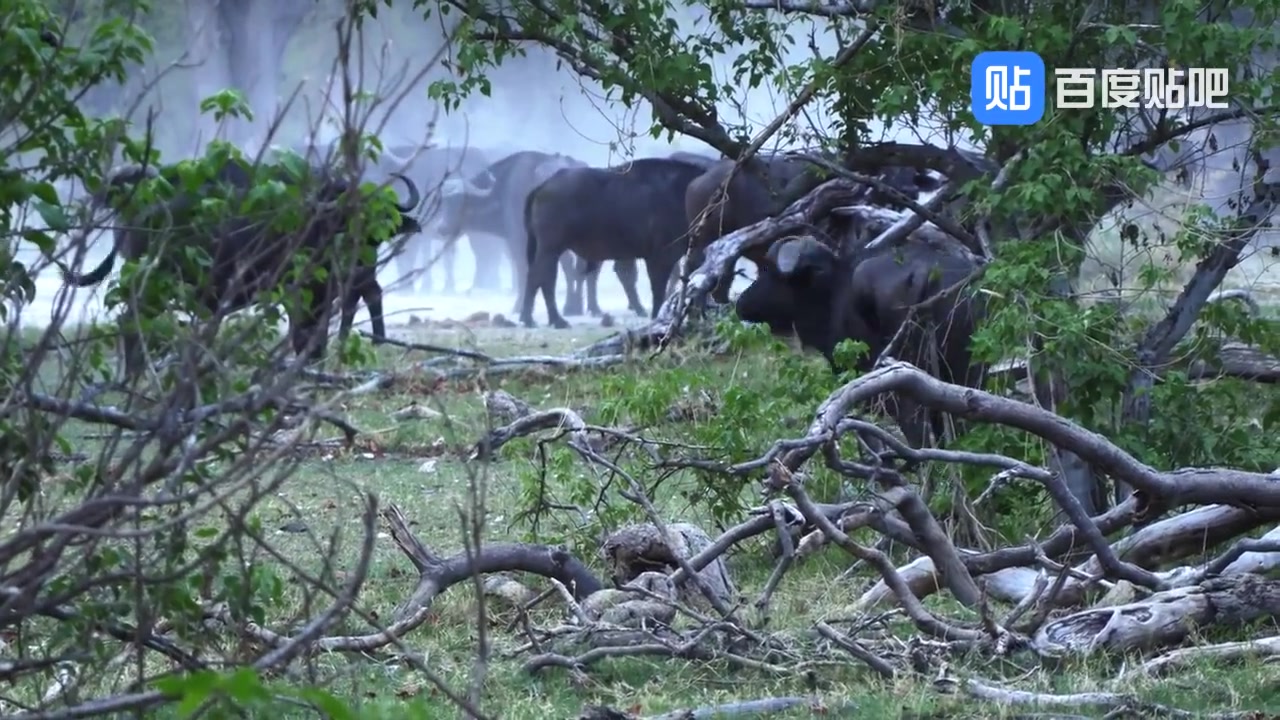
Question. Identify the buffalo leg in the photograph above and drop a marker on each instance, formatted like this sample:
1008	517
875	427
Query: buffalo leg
720	293
519	273
627	275
422	276
132	352
407	263
542	276
659	272
591	284
365	287
486	251
576	270
373	300
309	327
449	254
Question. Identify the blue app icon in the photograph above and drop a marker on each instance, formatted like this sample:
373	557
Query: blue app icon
1007	88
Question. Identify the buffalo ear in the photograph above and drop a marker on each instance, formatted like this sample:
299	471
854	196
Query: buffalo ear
789	257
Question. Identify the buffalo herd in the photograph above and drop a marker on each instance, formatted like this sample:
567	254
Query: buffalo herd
548	212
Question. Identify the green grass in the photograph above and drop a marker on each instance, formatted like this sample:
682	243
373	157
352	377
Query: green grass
402	463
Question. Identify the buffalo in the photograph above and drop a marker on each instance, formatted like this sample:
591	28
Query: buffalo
706	161
248	256
624	269
762	187
825	297
634	211
492	202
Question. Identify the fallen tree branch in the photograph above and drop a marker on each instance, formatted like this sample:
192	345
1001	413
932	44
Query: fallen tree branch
1176	487
1115	702
1220	653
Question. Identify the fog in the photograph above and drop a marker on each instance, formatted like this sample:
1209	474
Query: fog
534	105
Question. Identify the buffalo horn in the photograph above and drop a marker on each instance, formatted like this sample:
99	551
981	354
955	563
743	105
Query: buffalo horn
414	197
795	253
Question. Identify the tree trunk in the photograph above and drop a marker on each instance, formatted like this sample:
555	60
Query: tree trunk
241	44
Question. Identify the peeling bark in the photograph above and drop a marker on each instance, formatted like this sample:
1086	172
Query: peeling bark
1163	619
636	549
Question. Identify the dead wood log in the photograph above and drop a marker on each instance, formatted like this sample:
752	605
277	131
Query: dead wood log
1163	619
529	423
1267	647
1184	535
637	549
1009	585
648	597
439	574
1240	361
1155	545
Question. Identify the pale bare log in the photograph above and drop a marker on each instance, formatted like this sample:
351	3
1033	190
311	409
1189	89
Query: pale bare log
1220	653
1010	585
1163	619
1186	534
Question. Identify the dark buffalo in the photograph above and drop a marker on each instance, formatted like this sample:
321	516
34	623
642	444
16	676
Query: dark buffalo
630	212
492	202
757	189
248	257
761	188
824	297
624	269
705	161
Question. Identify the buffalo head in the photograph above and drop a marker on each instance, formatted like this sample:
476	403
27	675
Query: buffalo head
552	165
481	184
907	180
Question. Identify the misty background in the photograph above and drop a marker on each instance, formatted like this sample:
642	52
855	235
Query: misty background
274	51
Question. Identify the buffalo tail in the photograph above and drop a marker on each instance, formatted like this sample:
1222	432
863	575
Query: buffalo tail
95	276
531	244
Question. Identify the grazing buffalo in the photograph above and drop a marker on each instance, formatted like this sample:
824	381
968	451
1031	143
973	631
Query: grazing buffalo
248	256
630	212
824	297
761	188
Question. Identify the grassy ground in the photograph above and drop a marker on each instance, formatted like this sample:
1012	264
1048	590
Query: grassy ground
402	463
